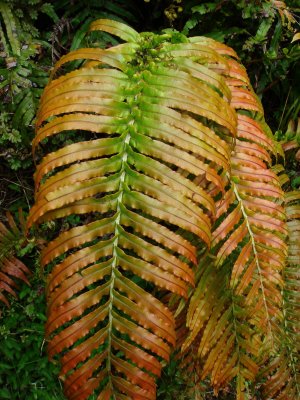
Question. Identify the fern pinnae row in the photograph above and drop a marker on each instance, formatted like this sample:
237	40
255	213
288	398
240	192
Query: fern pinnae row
161	172
187	124
11	268
283	371
253	241
76	152
11	28
75	237
75	284
159	234
86	170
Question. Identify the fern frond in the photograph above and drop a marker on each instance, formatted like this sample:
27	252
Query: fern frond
282	372
223	341
255	222
25	105
10	266
11	30
22	78
153	124
236	306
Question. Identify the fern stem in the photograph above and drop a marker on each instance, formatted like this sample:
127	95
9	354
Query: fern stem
114	263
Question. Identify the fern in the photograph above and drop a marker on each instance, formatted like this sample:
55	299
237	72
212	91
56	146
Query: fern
21	78
135	176
10	266
176	163
282	372
240	310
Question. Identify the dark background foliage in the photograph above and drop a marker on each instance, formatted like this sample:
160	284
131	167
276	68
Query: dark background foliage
34	34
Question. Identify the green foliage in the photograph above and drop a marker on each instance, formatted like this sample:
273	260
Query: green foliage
24	367
21	82
10	142
290	141
72	24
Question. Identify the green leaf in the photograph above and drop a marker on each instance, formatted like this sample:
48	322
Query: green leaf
204	8
5	394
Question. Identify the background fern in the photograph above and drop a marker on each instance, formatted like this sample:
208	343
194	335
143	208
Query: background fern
11	268
21	77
